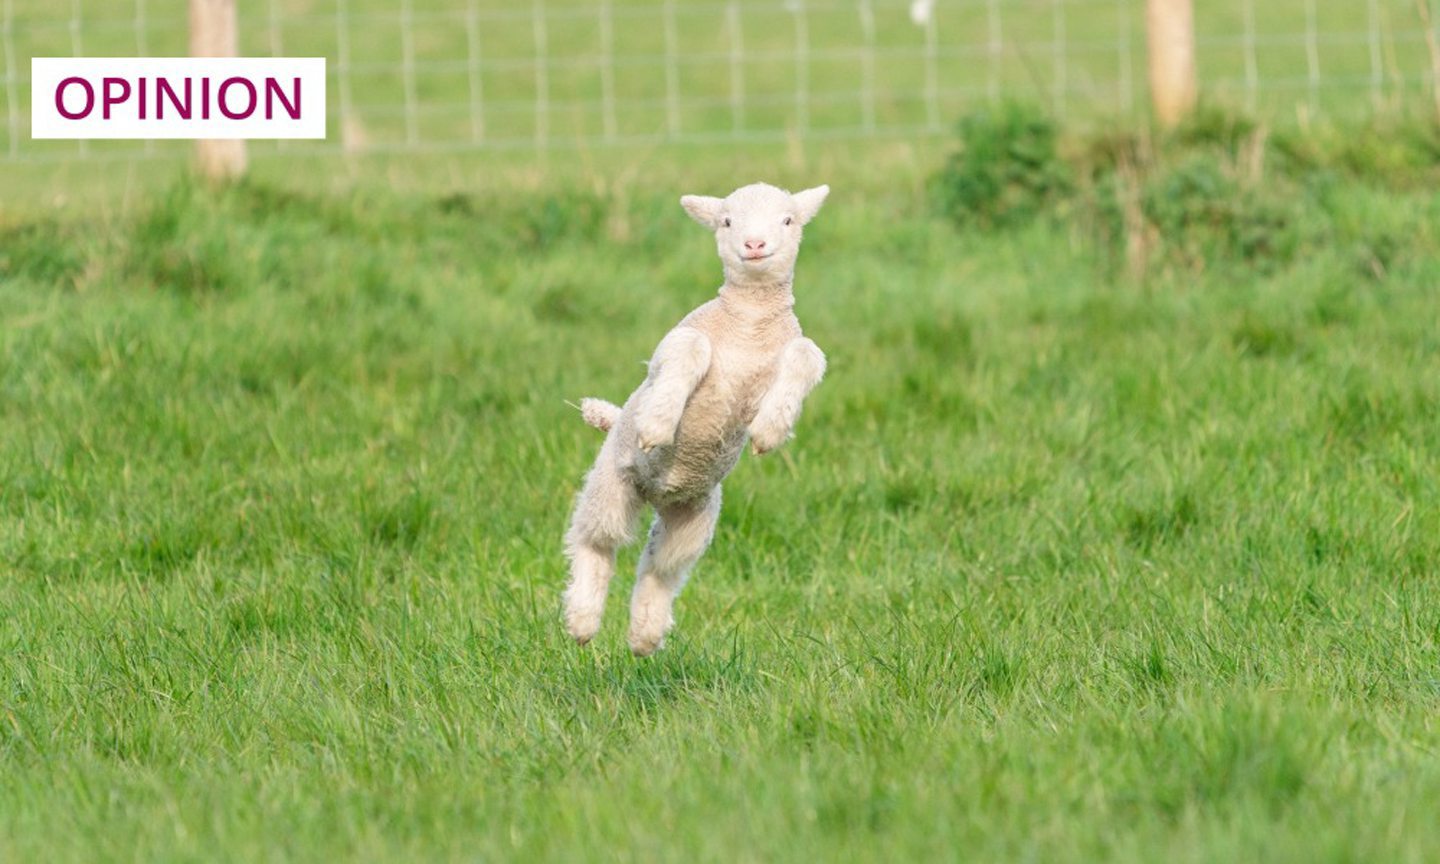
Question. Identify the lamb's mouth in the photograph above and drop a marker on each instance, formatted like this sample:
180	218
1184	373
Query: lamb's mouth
758	257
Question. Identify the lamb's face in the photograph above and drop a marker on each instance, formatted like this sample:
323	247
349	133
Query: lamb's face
758	227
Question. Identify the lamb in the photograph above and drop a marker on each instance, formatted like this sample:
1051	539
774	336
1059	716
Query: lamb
737	368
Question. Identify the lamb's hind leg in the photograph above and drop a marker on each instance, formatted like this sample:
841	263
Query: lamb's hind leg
604	520
678	537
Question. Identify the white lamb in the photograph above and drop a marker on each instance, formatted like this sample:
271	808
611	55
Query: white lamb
736	368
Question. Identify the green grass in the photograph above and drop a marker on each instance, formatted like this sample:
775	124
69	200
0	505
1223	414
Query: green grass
1064	565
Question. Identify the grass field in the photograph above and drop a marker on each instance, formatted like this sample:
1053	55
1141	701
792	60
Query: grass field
1069	561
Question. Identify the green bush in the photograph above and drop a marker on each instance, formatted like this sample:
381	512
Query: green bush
1007	171
43	252
1202	213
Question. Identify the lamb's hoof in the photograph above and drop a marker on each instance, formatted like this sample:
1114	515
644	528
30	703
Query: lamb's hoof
651	433
645	644
582	626
765	439
648	442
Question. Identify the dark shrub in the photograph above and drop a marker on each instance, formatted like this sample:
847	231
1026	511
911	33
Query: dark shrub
1007	170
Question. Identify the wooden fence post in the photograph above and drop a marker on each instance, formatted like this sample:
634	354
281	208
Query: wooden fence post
1423	7
212	34
1170	36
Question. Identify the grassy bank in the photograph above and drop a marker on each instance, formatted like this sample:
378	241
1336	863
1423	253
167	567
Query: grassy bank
1074	557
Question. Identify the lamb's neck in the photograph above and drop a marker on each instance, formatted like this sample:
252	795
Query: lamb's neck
757	303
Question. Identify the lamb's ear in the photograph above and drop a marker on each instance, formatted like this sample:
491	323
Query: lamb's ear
809	202
703	209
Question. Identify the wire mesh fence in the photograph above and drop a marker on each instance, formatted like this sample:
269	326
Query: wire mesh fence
428	75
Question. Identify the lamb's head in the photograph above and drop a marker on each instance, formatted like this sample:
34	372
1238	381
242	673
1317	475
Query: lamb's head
757	228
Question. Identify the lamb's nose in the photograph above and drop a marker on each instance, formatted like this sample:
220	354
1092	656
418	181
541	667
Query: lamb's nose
754	245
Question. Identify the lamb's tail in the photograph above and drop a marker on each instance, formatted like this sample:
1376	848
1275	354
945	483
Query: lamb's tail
599	413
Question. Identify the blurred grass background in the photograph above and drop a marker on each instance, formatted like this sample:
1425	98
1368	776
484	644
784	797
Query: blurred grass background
1079	554
1111	535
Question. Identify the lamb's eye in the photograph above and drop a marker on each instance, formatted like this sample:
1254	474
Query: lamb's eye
788	220
726	223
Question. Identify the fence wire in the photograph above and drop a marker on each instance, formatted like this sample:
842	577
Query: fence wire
451	75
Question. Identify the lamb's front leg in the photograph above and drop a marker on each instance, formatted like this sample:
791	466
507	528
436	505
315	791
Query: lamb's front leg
801	366
681	359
